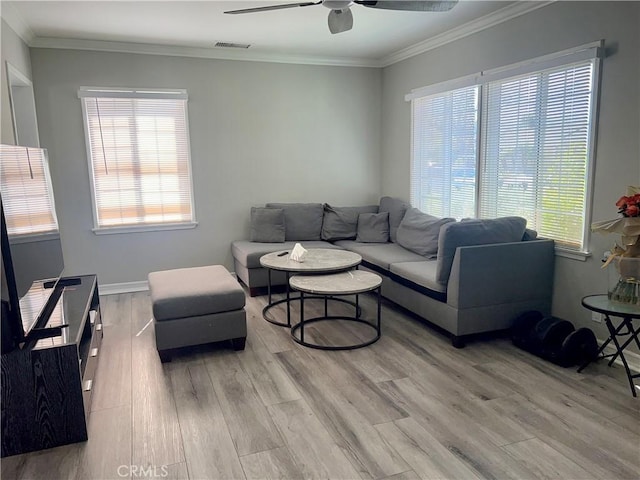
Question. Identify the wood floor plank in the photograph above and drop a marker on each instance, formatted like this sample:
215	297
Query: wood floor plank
267	376
360	441
612	396
470	443
422	451
309	442
107	453
628	422
62	462
443	361
113	376
12	466
177	471
567	440
557	400
337	372
555	465
207	444
588	433
116	310
141	312
409	475
273	464
276	339
156	430
367	361
253	430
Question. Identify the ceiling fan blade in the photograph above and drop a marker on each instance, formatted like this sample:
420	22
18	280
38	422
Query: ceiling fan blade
415	6
273	7
340	20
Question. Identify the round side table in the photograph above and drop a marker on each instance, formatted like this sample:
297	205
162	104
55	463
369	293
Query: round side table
627	313
346	283
317	260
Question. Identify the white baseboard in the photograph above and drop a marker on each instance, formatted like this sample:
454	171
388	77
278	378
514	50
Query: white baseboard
128	287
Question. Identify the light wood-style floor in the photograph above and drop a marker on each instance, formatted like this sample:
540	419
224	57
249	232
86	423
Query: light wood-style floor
410	406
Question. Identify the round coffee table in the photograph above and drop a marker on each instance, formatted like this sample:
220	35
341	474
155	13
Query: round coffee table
317	260
345	283
627	313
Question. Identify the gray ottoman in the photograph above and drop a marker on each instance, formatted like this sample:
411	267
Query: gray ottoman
192	306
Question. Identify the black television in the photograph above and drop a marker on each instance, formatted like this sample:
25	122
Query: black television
32	260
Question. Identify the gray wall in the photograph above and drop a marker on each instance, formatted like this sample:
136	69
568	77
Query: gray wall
16	52
259	132
272	132
550	29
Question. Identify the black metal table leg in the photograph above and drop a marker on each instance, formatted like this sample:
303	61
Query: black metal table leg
619	352
302	316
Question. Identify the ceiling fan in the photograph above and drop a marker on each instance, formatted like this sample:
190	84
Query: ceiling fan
340	17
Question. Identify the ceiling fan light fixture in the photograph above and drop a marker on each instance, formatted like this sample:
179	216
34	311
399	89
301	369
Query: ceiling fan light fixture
340	20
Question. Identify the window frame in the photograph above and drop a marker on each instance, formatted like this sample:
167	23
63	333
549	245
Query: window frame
592	52
136	93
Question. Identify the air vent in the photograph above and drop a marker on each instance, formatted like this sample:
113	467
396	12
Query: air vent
232	45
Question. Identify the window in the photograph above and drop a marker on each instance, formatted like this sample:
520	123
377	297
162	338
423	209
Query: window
445	141
139	160
518	141
26	192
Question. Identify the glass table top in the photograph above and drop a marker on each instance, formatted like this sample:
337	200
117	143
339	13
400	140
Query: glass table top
602	304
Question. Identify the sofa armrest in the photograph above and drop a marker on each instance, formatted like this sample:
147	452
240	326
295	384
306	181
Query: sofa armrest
495	274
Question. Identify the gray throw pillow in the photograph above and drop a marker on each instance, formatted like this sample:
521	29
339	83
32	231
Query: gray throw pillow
373	227
341	223
267	225
302	221
419	232
396	209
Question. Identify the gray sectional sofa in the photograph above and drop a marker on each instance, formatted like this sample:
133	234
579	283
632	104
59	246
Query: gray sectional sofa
466	277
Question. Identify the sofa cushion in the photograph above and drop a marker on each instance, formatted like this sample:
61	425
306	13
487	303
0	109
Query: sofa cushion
249	253
191	292
267	225
381	254
396	209
419	232
302	221
474	232
373	227
341	223
421	273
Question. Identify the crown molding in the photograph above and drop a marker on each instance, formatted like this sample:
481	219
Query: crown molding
504	14
197	52
10	15
15	21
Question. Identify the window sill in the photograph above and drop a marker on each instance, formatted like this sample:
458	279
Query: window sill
144	228
572	254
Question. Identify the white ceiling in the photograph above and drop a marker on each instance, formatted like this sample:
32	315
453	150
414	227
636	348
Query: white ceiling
300	35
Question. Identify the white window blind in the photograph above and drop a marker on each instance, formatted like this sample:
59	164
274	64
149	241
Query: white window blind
139	158
535	128
26	191
445	137
536	149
